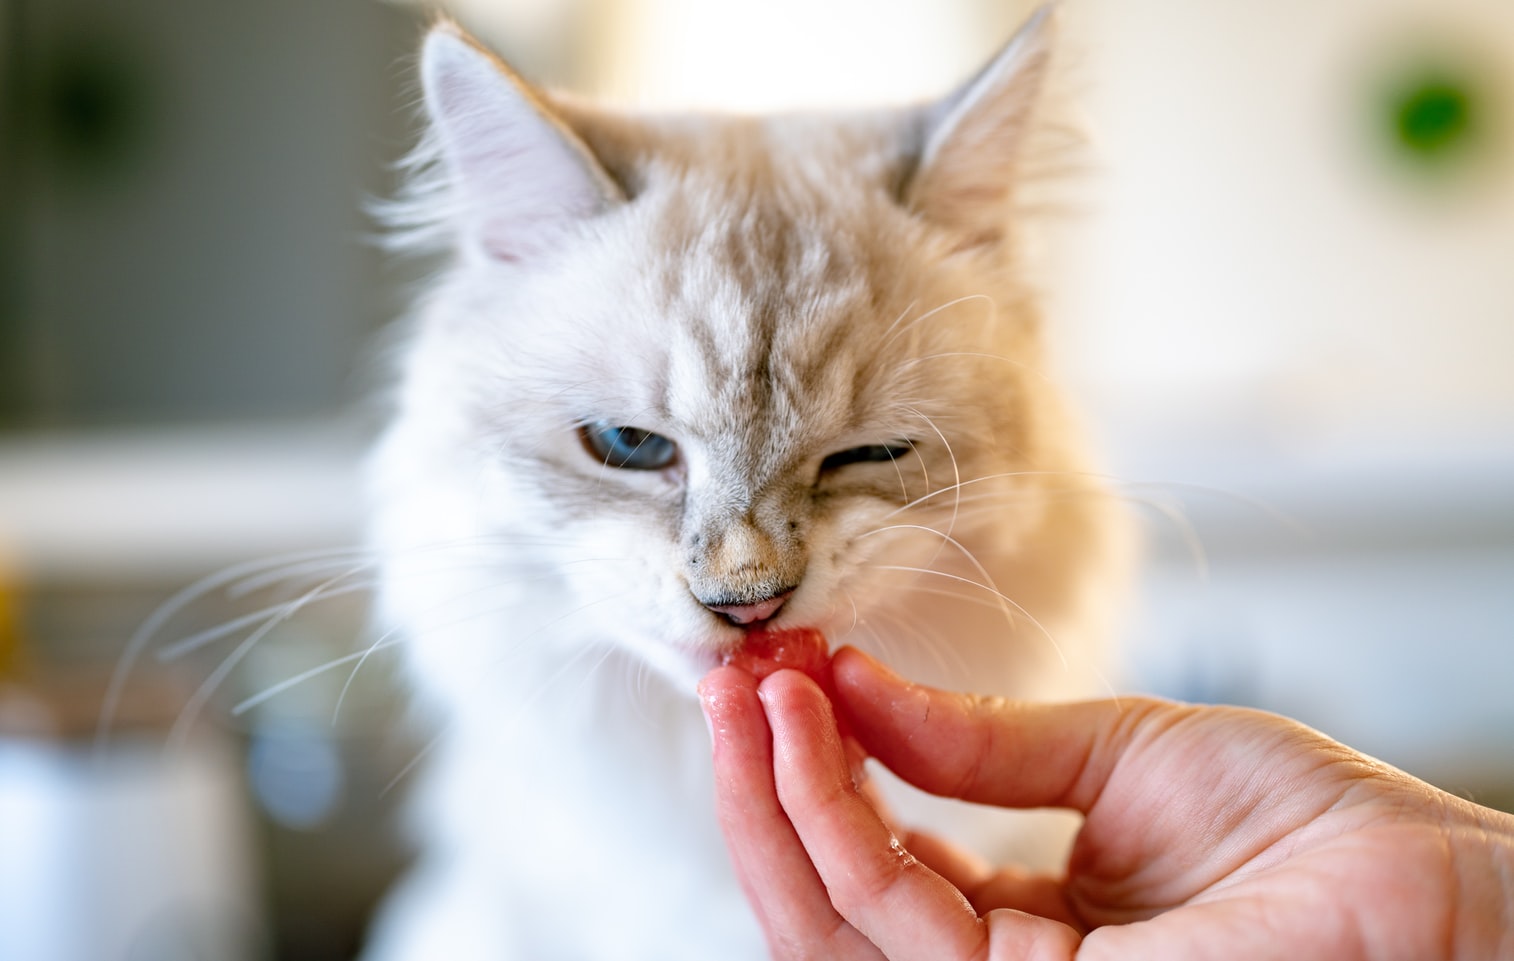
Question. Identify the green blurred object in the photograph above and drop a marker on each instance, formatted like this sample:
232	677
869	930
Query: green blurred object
1434	116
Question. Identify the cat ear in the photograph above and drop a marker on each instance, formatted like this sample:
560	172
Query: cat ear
973	138
521	176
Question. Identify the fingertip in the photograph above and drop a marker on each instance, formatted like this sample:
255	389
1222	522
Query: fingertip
783	686
846	654
870	694
727	695
798	711
723	678
1018	934
853	668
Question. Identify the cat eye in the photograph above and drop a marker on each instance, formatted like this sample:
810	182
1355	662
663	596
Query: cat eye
630	448
867	454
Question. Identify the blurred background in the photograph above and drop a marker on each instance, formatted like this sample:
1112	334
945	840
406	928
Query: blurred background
1281	267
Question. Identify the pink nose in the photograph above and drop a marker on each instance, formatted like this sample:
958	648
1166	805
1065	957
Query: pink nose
743	614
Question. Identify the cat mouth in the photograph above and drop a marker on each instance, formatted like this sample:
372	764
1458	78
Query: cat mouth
741	627
752	615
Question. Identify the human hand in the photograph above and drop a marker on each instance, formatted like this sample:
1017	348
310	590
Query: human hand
1209	832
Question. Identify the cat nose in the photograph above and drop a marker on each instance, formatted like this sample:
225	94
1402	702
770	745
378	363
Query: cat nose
750	613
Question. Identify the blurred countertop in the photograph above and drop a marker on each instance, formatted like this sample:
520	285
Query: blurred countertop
167	504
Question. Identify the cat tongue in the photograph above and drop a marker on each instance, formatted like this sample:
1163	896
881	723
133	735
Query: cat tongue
802	648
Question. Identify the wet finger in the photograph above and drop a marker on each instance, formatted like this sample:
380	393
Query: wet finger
902	906
782	885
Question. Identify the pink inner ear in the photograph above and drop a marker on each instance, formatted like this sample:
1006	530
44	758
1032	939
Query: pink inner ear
967	171
521	177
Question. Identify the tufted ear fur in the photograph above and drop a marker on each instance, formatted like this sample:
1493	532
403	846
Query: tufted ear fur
520	176
974	137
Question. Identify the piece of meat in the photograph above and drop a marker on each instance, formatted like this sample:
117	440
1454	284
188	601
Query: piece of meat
801	648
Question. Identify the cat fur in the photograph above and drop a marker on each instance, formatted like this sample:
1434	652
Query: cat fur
765	292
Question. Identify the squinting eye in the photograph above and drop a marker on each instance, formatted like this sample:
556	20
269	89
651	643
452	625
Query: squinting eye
629	447
868	454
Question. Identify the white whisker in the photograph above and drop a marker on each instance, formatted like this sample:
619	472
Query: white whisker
525	704
186	645
856	616
948	658
894	334
994	591
960	484
262	581
267	694
178	733
394	631
956	470
963	596
1295	525
898	320
165	612
980	355
383	640
414	761
971	559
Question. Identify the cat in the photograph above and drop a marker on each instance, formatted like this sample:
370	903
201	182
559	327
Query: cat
684	375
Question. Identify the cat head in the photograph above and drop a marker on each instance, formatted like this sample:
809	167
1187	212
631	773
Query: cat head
724	371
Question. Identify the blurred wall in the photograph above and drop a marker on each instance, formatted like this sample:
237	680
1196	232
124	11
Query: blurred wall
1289	302
183	199
188	301
1304	215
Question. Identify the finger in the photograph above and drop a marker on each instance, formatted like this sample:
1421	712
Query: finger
1180	795
989	888
902	906
786	893
989	750
961	869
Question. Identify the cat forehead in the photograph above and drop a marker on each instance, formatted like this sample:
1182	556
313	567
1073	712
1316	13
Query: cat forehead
768	310
752	273
749	289
781	206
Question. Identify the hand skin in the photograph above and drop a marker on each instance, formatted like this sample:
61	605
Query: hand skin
1209	832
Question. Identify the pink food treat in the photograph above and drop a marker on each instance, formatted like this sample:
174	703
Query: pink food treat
801	648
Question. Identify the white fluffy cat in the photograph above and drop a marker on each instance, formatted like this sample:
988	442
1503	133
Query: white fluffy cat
684	374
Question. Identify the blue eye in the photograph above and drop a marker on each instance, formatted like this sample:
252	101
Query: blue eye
629	447
867	454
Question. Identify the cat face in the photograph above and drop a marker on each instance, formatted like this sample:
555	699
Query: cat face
730	372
